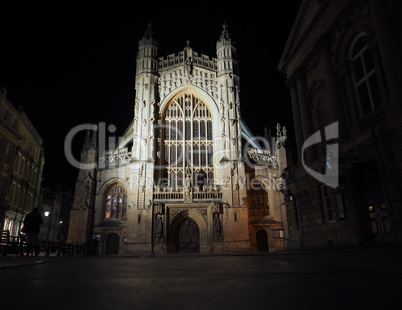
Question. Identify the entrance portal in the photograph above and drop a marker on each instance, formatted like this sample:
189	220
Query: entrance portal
262	241
189	237
113	244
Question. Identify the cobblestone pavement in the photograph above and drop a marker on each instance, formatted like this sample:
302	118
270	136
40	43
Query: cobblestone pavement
364	278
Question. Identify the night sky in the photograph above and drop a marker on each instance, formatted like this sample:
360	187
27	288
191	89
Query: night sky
67	64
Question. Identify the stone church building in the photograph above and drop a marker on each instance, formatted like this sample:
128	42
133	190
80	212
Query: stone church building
187	176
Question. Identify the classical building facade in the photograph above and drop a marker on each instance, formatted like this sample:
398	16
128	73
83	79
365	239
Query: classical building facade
343	67
21	165
181	178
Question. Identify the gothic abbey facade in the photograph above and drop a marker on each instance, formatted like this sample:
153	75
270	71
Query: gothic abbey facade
187	175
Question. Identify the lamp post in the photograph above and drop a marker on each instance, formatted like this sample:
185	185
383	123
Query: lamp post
46	213
60	236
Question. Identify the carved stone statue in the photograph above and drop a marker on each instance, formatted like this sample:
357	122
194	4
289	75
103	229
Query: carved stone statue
158	226
217	226
188	184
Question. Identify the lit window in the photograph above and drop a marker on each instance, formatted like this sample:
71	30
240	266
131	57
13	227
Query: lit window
279	233
116	202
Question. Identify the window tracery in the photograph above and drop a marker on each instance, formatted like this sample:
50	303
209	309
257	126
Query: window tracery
116	202
188	141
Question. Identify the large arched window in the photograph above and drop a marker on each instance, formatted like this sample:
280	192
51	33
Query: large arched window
116	202
365	75
188	141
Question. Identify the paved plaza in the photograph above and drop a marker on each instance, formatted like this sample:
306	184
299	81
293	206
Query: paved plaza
339	279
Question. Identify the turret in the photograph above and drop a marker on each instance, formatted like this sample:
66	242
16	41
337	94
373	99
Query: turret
226	54
147	60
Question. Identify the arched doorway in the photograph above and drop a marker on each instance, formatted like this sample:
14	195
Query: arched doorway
262	241
113	241
189	237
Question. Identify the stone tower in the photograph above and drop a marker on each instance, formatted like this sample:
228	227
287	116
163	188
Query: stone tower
81	216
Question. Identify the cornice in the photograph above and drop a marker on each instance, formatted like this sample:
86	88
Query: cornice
295	41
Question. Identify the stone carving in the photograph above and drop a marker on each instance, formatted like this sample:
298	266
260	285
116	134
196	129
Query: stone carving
188	185
204	214
217	226
281	136
158	227
243	202
187	74
263	157
175	211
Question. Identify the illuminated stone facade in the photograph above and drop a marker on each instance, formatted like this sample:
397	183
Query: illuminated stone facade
179	179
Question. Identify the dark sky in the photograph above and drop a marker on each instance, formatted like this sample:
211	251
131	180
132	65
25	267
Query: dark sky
68	64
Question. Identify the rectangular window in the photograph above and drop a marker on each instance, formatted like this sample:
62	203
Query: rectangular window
7	155
375	91
13	122
4	113
364	98
328	204
333	205
341	209
279	233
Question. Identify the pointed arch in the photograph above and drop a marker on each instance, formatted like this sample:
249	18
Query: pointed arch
187	140
191	89
176	224
114	201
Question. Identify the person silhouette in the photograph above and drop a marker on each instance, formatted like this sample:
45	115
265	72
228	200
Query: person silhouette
32	227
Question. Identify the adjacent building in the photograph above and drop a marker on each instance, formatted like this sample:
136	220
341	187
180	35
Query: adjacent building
343	67
21	165
55	209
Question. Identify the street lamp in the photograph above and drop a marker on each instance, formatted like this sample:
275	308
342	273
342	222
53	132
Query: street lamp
47	224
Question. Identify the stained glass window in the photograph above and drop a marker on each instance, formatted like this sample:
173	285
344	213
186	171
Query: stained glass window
116	202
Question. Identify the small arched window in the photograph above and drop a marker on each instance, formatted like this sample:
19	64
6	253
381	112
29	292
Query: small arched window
365	75
116	202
